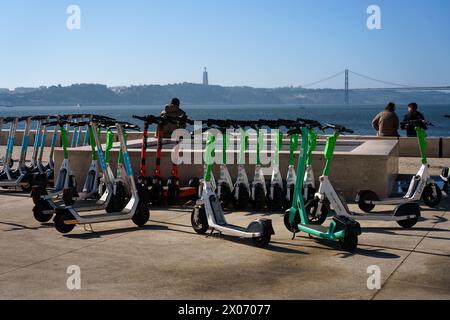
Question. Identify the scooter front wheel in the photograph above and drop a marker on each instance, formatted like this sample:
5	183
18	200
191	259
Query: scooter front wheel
315	217
242	199
173	194
142	215
259	201
431	198
225	195
118	199
292	227
277	203
199	220
364	197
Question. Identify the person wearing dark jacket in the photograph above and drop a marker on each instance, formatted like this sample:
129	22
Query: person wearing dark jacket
173	111
413	114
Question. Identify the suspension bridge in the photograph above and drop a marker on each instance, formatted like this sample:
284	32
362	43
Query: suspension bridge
392	85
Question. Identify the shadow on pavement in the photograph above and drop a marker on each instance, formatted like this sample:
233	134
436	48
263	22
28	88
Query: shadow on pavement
22	227
98	234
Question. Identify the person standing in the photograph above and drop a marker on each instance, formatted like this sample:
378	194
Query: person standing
387	122
413	114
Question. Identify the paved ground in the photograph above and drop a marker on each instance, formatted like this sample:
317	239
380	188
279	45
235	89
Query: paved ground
166	260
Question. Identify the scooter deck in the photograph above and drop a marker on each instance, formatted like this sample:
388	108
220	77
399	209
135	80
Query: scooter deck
380	217
318	228
232	226
100	217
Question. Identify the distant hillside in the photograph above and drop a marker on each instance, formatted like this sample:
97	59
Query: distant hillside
95	94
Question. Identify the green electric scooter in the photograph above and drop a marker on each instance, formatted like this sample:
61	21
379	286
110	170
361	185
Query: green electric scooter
341	229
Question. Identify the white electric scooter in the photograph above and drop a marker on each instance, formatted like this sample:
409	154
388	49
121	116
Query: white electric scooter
208	213
406	215
136	210
422	186
241	197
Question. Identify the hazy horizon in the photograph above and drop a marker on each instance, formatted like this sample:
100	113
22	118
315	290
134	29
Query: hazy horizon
261	44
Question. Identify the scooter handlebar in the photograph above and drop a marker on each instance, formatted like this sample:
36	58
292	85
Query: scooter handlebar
338	128
151	119
416	123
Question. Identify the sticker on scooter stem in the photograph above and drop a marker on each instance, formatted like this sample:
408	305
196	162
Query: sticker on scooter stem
26	141
127	162
101	156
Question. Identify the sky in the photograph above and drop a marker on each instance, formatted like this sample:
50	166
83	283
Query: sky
259	43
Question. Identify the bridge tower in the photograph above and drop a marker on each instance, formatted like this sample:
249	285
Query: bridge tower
347	96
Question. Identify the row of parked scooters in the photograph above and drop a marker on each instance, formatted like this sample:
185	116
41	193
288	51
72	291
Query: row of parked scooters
108	197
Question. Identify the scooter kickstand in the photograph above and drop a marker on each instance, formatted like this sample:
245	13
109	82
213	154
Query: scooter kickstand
293	236
90	226
212	233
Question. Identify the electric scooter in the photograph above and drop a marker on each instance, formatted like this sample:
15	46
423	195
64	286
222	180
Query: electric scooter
258	186
276	194
291	174
225	186
173	193
208	213
22	177
112	194
422	186
242	190
8	139
445	175
1	129
92	180
406	214
47	171
152	189
33	167
341	229
136	210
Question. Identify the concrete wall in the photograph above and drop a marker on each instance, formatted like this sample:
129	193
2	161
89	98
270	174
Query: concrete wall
408	147
373	165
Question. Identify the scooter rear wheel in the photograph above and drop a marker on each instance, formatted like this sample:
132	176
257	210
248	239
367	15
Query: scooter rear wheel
408	209
142	215
260	226
38	213
430	199
349	243
60	226
199	220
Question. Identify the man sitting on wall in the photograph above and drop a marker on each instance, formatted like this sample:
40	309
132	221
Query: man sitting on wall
172	110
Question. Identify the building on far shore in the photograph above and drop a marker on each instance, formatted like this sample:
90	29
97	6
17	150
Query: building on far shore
205	78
